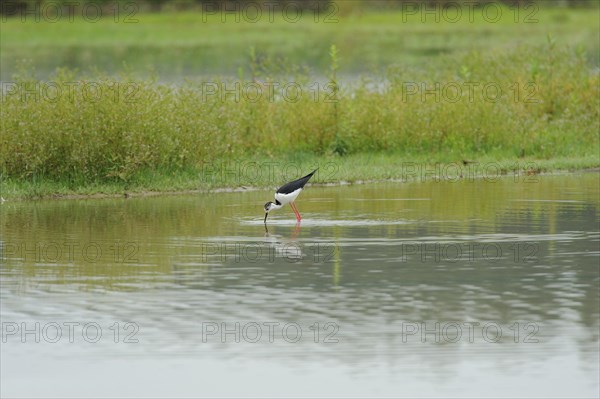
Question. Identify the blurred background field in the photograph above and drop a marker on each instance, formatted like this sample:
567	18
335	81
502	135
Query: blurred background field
362	70
198	40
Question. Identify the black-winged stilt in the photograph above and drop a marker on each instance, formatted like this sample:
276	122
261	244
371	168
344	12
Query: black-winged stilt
286	194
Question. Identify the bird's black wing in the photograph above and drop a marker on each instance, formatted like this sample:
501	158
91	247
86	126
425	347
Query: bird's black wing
296	184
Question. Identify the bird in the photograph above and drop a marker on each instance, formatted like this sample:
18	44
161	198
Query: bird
286	194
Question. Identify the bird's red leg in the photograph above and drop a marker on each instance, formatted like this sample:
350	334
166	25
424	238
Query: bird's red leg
292	205
298	217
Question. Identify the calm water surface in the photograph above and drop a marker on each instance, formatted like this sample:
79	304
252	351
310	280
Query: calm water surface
464	289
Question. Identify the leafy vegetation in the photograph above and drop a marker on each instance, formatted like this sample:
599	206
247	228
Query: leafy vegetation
539	103
86	132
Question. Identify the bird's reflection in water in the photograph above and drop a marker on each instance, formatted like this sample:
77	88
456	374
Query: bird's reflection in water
289	249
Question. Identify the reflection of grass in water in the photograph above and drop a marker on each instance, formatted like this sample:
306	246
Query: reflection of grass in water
169	231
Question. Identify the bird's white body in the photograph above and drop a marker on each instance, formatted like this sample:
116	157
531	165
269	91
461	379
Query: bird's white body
287	198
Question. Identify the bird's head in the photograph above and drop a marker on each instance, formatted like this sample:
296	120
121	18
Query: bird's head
268	206
271	206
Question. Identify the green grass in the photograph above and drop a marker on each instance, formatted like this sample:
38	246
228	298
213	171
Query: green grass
163	130
270	173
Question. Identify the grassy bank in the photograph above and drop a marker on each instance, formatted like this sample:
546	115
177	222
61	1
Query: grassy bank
271	173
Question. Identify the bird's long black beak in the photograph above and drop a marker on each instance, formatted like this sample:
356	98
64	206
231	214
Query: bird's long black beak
266	215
